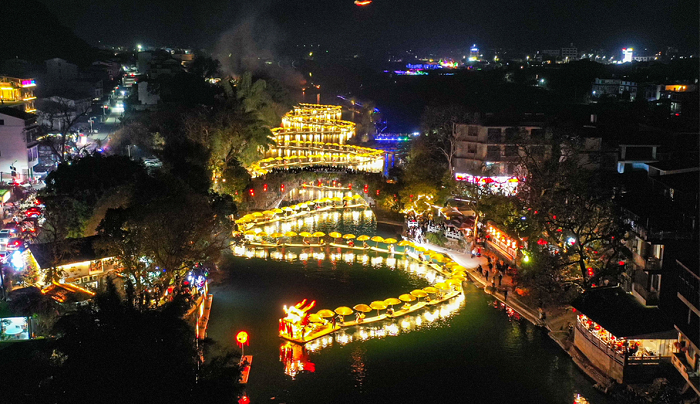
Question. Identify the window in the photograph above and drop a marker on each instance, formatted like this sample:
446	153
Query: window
537	134
494	135
493	152
2	121
511	135
473	131
511	151
471	148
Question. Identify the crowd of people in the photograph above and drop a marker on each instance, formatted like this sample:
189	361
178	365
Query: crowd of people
315	169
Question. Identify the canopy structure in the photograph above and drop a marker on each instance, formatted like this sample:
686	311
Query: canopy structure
362	308
348	236
407	297
392	301
318	234
363	238
290	234
335	234
326	313
442	286
343	311
404	243
390	240
430	289
419	293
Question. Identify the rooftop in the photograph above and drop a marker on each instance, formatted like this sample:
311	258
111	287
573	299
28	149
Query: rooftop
623	315
75	250
17	113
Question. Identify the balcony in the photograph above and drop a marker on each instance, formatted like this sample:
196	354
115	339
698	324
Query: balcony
652	264
681	364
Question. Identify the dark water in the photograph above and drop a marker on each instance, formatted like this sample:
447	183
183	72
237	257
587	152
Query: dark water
479	354
467	350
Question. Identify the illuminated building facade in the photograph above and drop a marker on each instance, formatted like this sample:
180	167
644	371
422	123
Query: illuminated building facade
506	245
473	53
493	150
316	123
313	134
84	264
17	93
627	55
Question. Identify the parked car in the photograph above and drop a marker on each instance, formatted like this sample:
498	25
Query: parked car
33	212
15	244
13	227
5	236
4	256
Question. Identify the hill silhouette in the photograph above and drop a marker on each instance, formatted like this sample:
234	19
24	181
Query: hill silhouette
35	34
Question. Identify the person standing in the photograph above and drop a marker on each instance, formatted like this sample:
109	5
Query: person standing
505	294
500	278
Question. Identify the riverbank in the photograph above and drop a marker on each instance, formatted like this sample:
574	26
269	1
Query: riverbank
557	321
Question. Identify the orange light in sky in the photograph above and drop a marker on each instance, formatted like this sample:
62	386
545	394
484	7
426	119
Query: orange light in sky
363	2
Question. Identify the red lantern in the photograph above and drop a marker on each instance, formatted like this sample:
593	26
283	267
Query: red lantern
242	338
349	186
252	192
282	188
377	192
264	187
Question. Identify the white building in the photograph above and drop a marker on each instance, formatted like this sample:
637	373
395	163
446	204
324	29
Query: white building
570	53
18	145
493	149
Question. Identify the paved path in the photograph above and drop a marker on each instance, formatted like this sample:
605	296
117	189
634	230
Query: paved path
498	292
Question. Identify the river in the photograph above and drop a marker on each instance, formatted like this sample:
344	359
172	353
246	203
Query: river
471	349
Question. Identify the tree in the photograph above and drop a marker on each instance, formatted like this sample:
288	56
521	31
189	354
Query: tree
165	230
438	128
61	115
148	355
579	223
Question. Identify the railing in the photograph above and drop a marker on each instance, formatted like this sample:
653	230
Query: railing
453	234
600	344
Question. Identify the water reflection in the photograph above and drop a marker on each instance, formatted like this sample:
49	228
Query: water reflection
349	220
427	318
359	368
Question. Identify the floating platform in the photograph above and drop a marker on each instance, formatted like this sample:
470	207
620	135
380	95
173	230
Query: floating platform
326	330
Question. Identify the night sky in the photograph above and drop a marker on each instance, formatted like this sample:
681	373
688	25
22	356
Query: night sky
389	24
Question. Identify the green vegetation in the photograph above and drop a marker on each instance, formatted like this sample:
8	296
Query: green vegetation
150	352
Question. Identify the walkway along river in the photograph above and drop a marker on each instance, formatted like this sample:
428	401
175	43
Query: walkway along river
471	348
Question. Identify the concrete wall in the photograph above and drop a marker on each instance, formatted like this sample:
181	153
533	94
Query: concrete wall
598	357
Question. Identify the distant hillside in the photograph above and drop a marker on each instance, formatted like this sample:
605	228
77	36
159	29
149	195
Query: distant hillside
33	33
